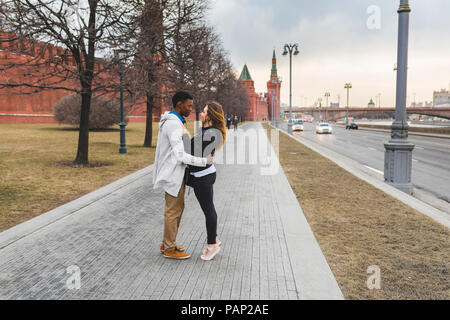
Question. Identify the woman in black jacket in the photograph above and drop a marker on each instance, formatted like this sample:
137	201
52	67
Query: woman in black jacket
211	138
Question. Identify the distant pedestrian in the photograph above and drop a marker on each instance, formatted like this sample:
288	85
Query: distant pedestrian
235	122
228	122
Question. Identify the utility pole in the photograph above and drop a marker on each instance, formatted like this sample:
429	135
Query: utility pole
347	86
327	95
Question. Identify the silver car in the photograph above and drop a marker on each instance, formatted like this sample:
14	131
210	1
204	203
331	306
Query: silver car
323	127
298	125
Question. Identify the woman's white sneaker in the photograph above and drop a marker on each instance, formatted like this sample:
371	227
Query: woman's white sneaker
209	254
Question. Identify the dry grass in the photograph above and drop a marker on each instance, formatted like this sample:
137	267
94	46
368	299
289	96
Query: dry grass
358	226
35	177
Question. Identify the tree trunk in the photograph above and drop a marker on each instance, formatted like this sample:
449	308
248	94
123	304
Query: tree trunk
149	122
83	136
86	88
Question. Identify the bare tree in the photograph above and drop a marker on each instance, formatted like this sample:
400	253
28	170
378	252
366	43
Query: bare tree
62	40
193	56
158	24
200	65
232	94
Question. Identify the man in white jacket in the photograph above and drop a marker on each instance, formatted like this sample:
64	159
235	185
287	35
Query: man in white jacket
170	164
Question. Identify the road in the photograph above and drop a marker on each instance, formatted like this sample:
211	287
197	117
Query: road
431	156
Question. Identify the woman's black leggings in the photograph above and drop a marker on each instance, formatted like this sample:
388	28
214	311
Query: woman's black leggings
203	189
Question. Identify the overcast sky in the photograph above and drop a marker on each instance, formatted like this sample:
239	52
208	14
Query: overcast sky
337	46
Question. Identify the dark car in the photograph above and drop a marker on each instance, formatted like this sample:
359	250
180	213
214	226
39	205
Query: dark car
352	126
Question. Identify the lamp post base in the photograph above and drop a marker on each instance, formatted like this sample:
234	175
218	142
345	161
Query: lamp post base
290	127
398	164
123	147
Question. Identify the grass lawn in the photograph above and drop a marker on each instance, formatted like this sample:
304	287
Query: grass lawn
358	226
34	177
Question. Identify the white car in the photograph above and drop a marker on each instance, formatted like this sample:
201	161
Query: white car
297	125
323	127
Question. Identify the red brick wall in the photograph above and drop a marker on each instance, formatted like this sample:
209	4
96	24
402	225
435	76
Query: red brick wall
15	101
26	100
23	100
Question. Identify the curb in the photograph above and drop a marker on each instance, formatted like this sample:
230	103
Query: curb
370	177
411	133
26	228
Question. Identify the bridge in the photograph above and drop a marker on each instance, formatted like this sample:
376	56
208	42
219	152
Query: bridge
333	114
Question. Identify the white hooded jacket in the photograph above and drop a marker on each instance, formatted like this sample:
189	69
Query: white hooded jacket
171	158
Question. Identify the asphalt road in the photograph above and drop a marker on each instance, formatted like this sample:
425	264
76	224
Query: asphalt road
431	156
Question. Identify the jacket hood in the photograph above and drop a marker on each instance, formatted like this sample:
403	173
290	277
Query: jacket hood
166	117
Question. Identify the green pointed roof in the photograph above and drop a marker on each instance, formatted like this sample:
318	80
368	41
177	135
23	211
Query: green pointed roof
245	75
274	65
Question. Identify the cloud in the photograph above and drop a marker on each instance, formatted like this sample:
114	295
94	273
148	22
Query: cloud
336	46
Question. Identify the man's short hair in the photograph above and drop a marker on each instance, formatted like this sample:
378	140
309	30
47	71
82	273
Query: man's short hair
181	96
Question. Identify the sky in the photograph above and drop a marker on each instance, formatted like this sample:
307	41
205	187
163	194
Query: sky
340	41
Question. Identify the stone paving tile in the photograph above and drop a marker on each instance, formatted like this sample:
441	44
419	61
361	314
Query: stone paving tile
115	243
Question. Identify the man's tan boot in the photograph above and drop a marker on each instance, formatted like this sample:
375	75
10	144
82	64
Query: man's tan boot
178	248
175	254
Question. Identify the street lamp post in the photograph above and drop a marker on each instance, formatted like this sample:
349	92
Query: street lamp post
289	48
398	151
327	95
320	109
120	54
347	86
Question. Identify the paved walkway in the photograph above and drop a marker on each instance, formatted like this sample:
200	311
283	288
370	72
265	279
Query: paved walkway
113	237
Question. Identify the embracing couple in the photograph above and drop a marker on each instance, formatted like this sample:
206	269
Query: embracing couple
182	160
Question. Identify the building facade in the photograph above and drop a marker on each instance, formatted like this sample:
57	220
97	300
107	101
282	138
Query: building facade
441	98
263	106
273	90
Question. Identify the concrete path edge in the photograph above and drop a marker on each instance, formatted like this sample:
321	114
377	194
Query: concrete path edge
313	276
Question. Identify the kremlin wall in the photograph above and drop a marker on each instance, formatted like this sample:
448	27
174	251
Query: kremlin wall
28	105
22	105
